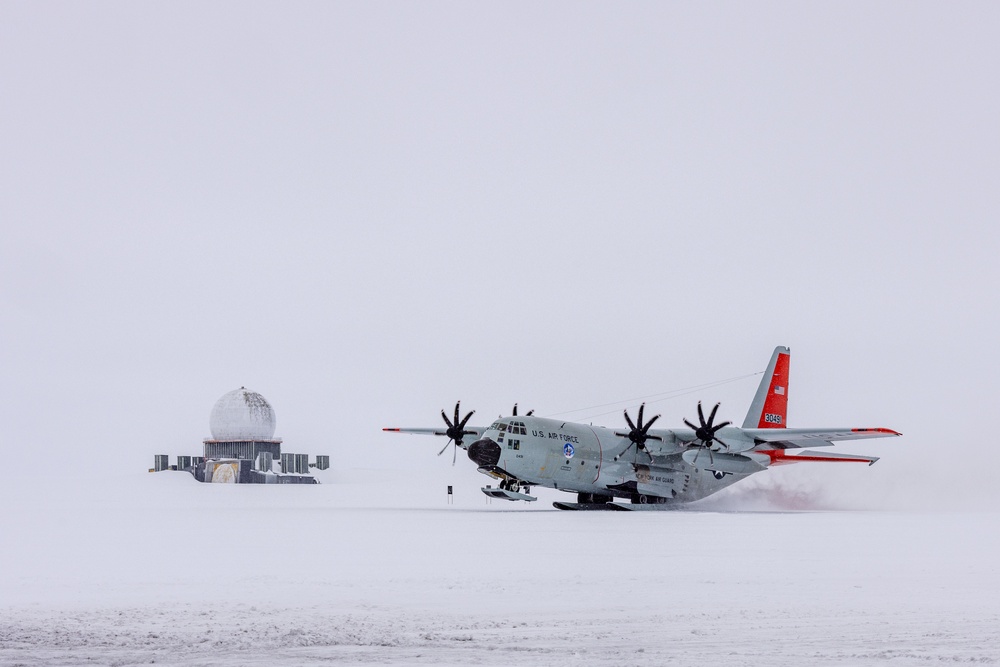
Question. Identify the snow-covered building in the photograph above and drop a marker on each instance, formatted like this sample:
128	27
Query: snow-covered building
242	424
242	448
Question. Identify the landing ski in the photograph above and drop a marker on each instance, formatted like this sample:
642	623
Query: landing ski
503	494
588	507
653	507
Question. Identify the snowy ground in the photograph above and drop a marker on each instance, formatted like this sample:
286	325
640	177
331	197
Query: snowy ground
168	571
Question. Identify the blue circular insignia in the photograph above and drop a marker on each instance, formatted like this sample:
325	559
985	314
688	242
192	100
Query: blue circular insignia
568	450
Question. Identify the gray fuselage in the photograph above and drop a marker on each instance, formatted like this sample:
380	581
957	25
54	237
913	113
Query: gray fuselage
591	460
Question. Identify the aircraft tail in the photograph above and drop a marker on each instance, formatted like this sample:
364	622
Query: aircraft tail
770	405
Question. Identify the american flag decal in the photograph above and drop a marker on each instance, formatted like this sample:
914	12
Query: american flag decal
779	390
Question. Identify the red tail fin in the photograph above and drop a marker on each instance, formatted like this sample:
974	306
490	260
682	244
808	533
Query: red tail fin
770	405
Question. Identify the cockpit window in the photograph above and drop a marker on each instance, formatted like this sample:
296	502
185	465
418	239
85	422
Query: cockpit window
502	427
518	427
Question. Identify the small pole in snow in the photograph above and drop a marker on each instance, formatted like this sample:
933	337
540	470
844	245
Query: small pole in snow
451	495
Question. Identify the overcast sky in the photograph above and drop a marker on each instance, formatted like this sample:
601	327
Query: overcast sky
366	211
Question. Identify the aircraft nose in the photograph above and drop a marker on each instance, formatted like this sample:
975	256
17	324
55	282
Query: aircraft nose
484	452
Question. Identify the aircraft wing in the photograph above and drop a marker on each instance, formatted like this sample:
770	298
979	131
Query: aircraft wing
479	430
790	438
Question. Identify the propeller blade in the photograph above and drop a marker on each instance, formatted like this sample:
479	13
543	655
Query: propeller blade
466	420
529	413
641	408
445	447
629	420
515	409
711	416
454	455
701	415
723	443
690	425
457	403
720	426
446	420
645	429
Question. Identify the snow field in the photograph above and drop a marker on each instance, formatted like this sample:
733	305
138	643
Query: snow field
191	574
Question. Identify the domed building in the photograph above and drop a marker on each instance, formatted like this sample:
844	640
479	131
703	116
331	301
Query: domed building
243	449
242	425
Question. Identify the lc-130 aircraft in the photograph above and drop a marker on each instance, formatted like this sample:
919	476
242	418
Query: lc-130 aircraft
654	468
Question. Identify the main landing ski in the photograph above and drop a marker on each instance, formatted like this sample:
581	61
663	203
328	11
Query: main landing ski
614	507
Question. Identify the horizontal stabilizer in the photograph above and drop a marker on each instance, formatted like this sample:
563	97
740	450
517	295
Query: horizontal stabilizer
777	457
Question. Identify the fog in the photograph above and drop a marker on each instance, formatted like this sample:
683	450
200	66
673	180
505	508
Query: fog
369	211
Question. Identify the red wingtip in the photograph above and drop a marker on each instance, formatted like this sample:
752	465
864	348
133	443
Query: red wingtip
876	430
396	430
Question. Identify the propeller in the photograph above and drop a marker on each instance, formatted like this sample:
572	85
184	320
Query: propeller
456	431
527	414
639	433
705	433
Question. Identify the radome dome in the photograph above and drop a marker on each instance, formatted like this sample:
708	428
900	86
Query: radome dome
242	414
